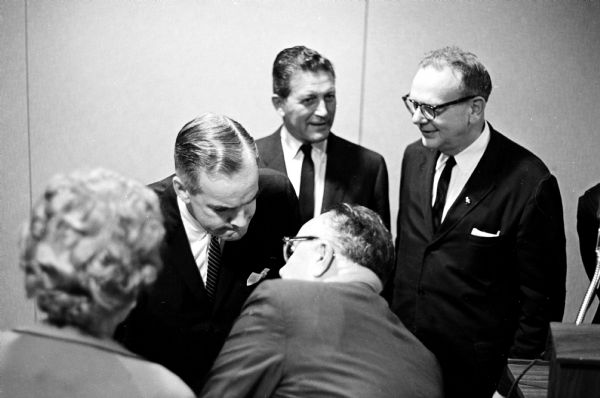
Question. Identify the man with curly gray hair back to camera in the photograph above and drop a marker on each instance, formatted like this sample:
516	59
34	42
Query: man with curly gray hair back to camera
90	247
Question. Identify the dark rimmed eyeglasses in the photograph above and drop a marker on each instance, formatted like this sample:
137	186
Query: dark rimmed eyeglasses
430	111
290	244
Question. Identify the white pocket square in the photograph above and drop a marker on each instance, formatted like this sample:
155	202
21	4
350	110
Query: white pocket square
483	234
255	278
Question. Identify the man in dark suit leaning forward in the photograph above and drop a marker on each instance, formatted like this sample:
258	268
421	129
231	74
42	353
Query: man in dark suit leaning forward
324	168
324	330
224	221
481	263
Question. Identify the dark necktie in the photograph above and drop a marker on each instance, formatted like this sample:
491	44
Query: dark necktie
442	190
307	185
214	262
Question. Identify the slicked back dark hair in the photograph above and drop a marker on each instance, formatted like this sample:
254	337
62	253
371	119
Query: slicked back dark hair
363	238
213	144
296	58
475	77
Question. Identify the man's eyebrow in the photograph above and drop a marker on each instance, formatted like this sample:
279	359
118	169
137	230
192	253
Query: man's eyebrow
225	208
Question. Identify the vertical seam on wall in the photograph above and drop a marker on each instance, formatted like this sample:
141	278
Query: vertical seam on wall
363	74
35	313
27	102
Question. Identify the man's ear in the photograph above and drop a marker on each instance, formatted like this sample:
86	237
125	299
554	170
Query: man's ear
278	103
325	258
180	190
477	109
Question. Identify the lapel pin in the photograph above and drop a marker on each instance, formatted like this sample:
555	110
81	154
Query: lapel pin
467	200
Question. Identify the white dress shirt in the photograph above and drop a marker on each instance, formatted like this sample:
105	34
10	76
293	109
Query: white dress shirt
466	161
198	238
293	158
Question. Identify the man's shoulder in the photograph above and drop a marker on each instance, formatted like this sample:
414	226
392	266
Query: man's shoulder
268	140
272	182
163	185
416	149
288	290
293	291
337	144
416	145
515	155
593	193
168	201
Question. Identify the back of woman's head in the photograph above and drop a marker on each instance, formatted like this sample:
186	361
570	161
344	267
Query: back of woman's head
91	244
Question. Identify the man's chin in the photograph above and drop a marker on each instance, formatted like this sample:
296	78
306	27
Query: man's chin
318	135
232	235
430	142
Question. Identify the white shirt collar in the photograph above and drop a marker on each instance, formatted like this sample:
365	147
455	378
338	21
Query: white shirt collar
469	157
291	145
191	225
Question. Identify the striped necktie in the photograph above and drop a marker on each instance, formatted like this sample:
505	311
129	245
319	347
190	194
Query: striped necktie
214	263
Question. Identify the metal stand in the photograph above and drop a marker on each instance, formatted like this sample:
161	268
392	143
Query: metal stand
589	295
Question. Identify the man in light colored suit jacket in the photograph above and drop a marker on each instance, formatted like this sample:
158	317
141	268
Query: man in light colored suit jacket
324	330
304	96
479	275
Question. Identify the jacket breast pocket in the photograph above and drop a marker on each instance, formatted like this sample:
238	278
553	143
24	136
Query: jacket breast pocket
485	257
485	241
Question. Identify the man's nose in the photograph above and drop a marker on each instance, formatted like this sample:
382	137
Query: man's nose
282	272
321	108
418	117
241	218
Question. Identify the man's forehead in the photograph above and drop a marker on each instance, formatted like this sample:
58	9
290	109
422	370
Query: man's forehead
230	190
433	83
307	81
318	226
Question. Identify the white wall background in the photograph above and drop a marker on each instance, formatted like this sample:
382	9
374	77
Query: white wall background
110	82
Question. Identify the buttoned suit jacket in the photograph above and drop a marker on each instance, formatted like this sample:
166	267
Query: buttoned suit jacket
174	323
316	339
588	212
474	299
353	174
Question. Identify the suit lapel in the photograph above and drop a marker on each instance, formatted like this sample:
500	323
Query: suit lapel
271	152
426	174
334	173
178	247
479	185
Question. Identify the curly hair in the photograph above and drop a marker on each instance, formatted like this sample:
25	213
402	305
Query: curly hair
363	238
91	244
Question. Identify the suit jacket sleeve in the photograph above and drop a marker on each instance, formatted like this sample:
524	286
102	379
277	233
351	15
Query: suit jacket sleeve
587	229
541	265
381	195
251	361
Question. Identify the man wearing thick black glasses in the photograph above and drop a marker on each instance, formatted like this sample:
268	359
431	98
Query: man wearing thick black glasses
324	330
481	263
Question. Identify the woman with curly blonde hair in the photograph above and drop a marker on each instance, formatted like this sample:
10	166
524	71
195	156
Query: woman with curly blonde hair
91	245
